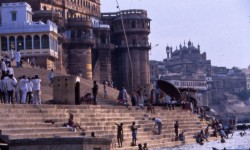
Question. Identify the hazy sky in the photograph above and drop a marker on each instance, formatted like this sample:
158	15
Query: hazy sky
221	27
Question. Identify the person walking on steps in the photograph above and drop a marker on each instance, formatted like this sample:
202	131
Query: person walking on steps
51	76
134	133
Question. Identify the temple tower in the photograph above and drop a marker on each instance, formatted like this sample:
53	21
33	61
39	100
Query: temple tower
130	68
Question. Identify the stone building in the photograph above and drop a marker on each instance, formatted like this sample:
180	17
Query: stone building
92	44
130	61
187	60
35	40
247	73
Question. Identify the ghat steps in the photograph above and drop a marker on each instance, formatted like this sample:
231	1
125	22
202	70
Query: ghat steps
28	122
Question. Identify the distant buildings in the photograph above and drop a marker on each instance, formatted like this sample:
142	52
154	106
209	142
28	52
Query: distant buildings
187	67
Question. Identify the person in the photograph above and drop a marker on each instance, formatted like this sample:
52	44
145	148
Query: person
33	62
166	102
7	60
133	98
36	90
157	95
95	91
11	84
176	129
72	124
191	108
182	136
207	132
51	76
158	123
145	146
140	147
105	89
10	70
150	107
122	97
120	134
29	91
18	58
23	87
92	134
202	134
134	133
3	67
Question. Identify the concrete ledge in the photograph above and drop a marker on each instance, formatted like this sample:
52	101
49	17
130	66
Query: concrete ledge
61	144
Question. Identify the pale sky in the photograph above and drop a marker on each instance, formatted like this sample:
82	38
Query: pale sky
221	27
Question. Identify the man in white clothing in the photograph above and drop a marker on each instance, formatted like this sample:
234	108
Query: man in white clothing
23	87
29	91
3	67
36	90
11	84
17	58
10	70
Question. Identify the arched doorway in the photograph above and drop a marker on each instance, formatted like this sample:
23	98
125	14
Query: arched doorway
77	93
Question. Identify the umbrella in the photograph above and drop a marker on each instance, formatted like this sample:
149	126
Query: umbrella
169	89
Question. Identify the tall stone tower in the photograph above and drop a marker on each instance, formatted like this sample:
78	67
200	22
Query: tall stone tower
130	65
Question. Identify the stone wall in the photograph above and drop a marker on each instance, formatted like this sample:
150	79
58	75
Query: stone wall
61	144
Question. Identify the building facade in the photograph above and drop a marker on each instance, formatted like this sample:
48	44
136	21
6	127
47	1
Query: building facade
130	59
93	45
35	40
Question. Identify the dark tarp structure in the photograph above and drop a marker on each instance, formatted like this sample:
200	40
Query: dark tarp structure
169	89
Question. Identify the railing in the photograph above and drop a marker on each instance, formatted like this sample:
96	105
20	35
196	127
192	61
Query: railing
47	13
135	45
146	30
84	40
85	22
106	46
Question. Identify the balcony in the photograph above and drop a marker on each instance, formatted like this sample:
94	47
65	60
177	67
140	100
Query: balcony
132	30
105	46
82	40
47	13
148	46
79	22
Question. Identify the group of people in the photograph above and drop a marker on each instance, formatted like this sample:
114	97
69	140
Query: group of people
24	90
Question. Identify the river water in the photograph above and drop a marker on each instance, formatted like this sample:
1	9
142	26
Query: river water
235	143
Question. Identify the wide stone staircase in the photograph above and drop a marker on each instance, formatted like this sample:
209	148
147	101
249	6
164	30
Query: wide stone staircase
29	122
47	91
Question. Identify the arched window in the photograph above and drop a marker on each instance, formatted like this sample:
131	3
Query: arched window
4	43
20	43
45	41
28	42
36	42
12	43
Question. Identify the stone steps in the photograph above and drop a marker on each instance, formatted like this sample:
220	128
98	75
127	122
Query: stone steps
27	121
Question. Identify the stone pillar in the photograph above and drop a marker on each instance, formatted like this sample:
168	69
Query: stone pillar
15	43
24	44
8	43
32	43
40	41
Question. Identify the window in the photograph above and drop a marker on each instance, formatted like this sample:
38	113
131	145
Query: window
13	15
45	41
4	43
36	42
28	42
133	24
20	43
12	43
